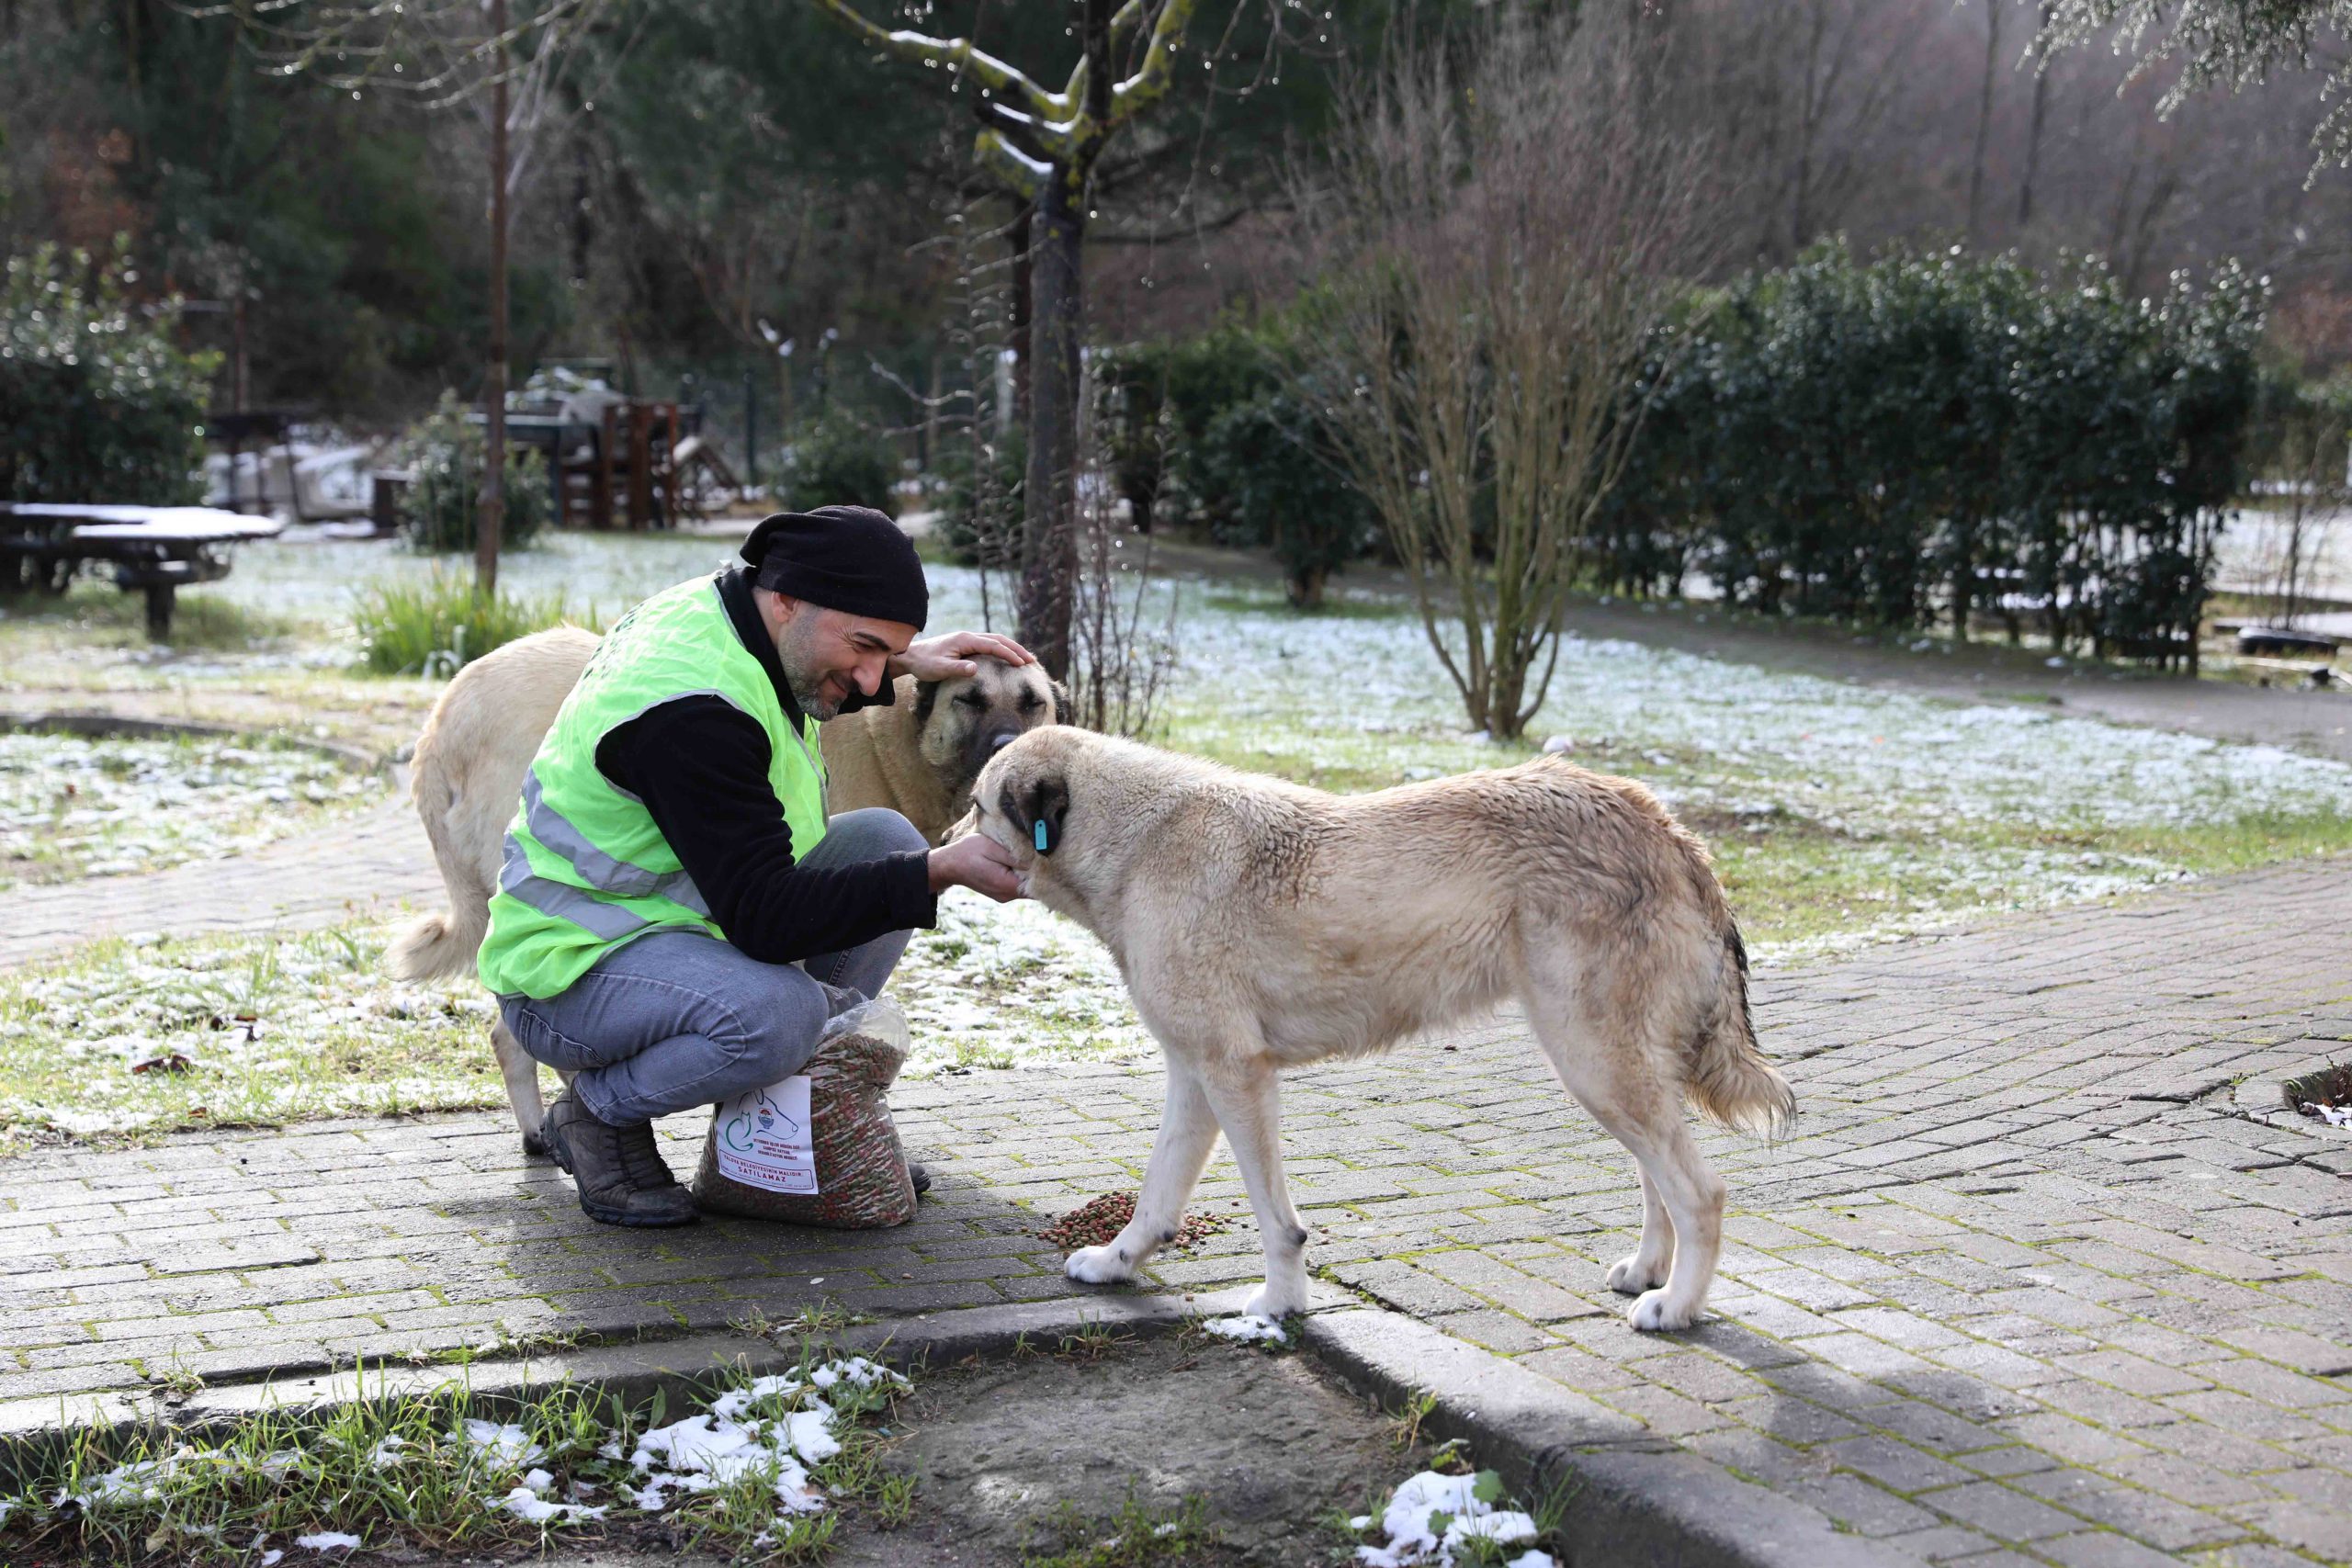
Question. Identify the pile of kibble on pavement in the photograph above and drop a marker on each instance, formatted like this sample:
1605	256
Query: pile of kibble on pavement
1097	1221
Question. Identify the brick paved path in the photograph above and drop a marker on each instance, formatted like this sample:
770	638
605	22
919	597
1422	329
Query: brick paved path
372	858
2033	1283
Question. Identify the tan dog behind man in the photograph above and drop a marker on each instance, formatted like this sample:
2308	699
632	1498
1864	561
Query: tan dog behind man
1260	925
918	757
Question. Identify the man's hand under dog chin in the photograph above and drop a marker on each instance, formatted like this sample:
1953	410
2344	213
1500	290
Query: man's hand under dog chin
979	862
950	655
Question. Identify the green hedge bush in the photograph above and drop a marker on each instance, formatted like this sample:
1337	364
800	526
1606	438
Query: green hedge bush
1209	433
444	454
1927	437
1908	440
97	404
835	460
1266	460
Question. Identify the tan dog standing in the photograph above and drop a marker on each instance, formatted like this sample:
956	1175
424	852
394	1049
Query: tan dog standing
1260	925
918	757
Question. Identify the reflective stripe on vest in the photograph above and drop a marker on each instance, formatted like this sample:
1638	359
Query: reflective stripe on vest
597	869
563	901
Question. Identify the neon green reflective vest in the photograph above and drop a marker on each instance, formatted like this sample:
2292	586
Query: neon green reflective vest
586	869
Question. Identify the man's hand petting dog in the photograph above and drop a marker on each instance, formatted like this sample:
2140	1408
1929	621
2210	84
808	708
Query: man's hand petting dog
950	655
979	864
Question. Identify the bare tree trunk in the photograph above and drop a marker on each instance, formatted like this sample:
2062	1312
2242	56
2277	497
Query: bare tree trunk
1048	541
2033	127
491	513
1018	237
1984	122
1809	114
583	222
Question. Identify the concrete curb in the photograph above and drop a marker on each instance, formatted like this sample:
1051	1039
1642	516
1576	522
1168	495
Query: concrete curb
1633	1497
635	1371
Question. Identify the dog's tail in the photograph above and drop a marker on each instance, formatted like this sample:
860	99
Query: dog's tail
1730	1079
436	944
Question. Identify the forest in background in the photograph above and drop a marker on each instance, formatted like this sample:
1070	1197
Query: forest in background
709	179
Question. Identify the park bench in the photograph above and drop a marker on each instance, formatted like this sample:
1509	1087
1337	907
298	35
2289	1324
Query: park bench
154	549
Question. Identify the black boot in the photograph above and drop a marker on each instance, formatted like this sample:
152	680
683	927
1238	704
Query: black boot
648	1171
614	1169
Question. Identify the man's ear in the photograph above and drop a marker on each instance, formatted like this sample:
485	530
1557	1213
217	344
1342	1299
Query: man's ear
926	698
1039	810
1064	713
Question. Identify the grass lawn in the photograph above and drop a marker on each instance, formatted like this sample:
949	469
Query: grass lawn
77	806
129	1037
760	1469
1839	815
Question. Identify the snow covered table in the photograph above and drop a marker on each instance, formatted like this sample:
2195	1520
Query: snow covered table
156	549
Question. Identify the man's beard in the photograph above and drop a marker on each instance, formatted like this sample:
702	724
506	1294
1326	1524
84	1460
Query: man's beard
816	707
808	690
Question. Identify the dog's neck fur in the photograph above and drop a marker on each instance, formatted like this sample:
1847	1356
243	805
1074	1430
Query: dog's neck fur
1087	877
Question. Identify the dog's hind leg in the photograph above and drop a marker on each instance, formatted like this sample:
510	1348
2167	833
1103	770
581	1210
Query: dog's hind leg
1694	1195
1247	1097
1682	1201
1187	1133
522	1075
1646	1267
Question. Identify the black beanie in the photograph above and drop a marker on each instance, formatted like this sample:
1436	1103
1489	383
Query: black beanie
850	558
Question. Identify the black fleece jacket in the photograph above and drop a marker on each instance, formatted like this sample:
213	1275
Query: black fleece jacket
700	764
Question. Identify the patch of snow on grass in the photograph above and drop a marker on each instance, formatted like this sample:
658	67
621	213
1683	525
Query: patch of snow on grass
526	1503
77	806
1432	1517
727	1444
328	1540
504	1445
995	983
271	1027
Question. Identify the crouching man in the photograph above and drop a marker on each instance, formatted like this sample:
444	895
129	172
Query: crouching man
678	915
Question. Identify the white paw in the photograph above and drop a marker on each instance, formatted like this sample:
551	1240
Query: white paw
1276	1302
1098	1266
1650	1314
1631	1276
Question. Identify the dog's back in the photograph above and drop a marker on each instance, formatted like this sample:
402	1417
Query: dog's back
477	744
1548	876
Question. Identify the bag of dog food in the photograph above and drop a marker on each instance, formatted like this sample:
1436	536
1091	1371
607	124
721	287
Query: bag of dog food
819	1148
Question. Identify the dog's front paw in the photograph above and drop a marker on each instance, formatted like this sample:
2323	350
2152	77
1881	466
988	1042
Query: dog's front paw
1099	1265
1650	1314
1271	1300
1631	1276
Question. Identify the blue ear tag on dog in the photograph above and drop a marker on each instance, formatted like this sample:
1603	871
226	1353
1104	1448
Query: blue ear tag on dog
1044	837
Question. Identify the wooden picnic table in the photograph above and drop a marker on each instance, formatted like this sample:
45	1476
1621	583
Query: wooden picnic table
155	549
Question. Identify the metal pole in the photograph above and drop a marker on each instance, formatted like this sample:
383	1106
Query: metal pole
750	428
491	508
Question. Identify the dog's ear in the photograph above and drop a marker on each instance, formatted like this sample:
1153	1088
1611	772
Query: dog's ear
926	698
1039	808
1064	713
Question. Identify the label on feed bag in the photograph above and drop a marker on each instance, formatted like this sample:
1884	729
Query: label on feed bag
763	1138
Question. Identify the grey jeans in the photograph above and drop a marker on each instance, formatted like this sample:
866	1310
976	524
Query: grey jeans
680	1018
